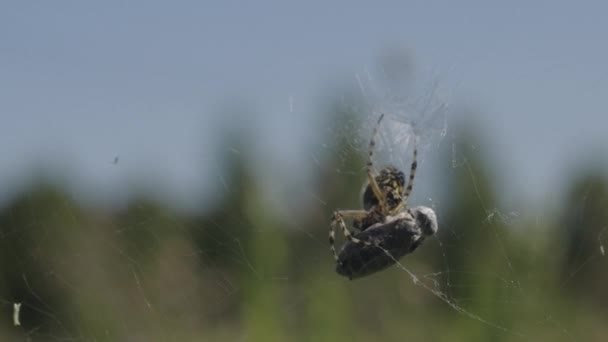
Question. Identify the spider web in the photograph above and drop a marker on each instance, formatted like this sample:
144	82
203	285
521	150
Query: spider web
255	264
422	116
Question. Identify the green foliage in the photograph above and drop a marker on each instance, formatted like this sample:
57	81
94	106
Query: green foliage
241	272
584	230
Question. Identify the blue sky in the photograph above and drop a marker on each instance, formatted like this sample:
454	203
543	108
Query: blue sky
152	82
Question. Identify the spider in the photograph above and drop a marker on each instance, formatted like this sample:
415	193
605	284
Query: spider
388	230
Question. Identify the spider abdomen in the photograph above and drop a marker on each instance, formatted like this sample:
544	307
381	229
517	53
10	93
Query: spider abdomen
390	241
392	182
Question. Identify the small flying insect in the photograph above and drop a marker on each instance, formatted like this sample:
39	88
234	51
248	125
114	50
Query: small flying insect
388	229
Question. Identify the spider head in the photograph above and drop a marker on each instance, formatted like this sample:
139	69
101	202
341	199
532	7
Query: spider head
391	182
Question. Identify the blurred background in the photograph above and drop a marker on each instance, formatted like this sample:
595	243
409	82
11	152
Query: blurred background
168	171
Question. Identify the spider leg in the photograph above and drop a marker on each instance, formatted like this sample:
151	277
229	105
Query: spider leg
370	168
338	219
410	182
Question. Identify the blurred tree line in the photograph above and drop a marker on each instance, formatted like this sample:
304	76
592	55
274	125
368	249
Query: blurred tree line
240	272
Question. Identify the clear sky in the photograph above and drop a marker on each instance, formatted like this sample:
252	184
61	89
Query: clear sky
149	82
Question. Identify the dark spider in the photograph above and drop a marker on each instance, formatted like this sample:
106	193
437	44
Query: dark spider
388	230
